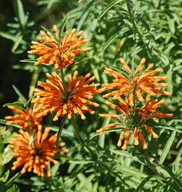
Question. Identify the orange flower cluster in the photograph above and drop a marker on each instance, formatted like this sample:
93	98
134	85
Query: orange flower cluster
54	97
134	118
27	119
134	121
137	82
37	155
56	50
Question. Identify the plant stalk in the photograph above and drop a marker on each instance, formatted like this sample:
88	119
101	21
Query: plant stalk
132	19
153	167
158	6
77	135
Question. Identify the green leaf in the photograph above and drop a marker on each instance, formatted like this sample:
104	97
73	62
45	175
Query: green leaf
15	104
8	36
50	4
77	161
143	183
170	79
131	171
55	169
20	95
167	127
21	14
13	188
28	60
102	135
179	184
167	148
172	25
13	179
84	15
31	140
3	121
5	176
63	25
16	44
112	38
109	6
81	21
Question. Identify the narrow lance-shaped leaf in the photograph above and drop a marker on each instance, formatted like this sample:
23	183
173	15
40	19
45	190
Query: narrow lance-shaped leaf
31	140
63	25
4	177
51	2
102	135
179	184
84	15
167	148
16	44
13	179
8	36
109	7
112	38
21	14
144	181
20	95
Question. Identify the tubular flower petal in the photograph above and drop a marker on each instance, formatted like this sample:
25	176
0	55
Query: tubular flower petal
134	121
142	140
58	51
34	157
127	140
27	118
76	97
139	82
136	136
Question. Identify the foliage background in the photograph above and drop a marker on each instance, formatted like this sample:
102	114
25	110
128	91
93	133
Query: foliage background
128	29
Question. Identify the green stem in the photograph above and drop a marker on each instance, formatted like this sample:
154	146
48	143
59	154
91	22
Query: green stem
60	131
153	167
134	98
132	18
77	135
13	179
63	81
158	6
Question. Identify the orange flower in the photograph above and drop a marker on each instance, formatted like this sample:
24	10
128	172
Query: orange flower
34	157
56	50
53	97
27	118
137	83
134	122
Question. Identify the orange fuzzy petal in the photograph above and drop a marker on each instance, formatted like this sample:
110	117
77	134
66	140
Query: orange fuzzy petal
127	140
150	130
136	136
121	136
140	65
108	127
125	65
142	140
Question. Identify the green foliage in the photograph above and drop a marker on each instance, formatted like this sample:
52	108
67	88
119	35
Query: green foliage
5	157
127	29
